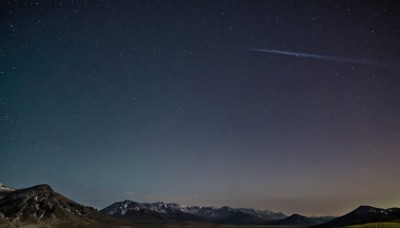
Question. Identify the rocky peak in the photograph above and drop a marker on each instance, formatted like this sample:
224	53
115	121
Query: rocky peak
3	188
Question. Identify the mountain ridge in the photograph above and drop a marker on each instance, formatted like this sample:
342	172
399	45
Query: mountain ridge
40	204
364	214
4	188
166	212
297	219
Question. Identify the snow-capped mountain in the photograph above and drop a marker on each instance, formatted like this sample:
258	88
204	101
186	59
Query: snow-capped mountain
131	210
5	189
129	205
148	212
265	214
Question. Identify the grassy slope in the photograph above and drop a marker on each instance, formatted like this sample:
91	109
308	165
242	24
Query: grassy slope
378	225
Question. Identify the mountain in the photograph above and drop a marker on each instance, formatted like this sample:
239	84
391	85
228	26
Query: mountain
227	215
4	189
364	214
147	213
41	205
170	212
299	220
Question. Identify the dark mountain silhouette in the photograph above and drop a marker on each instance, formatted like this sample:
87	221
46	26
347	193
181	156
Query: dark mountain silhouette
41	205
297	220
364	214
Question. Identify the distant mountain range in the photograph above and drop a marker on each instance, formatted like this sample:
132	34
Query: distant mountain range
171	212
41	206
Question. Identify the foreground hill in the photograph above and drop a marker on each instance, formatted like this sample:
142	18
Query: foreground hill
364	215
42	206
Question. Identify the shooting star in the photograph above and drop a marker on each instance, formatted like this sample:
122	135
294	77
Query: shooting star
315	56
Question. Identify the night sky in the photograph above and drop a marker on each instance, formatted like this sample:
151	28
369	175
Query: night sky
292	106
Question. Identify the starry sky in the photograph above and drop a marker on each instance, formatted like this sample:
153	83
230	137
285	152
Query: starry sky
175	101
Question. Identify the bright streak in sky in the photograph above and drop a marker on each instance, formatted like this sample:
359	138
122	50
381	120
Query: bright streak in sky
315	56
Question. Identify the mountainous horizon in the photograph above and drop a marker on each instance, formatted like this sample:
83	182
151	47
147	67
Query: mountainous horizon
41	205
185	207
129	210
267	212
